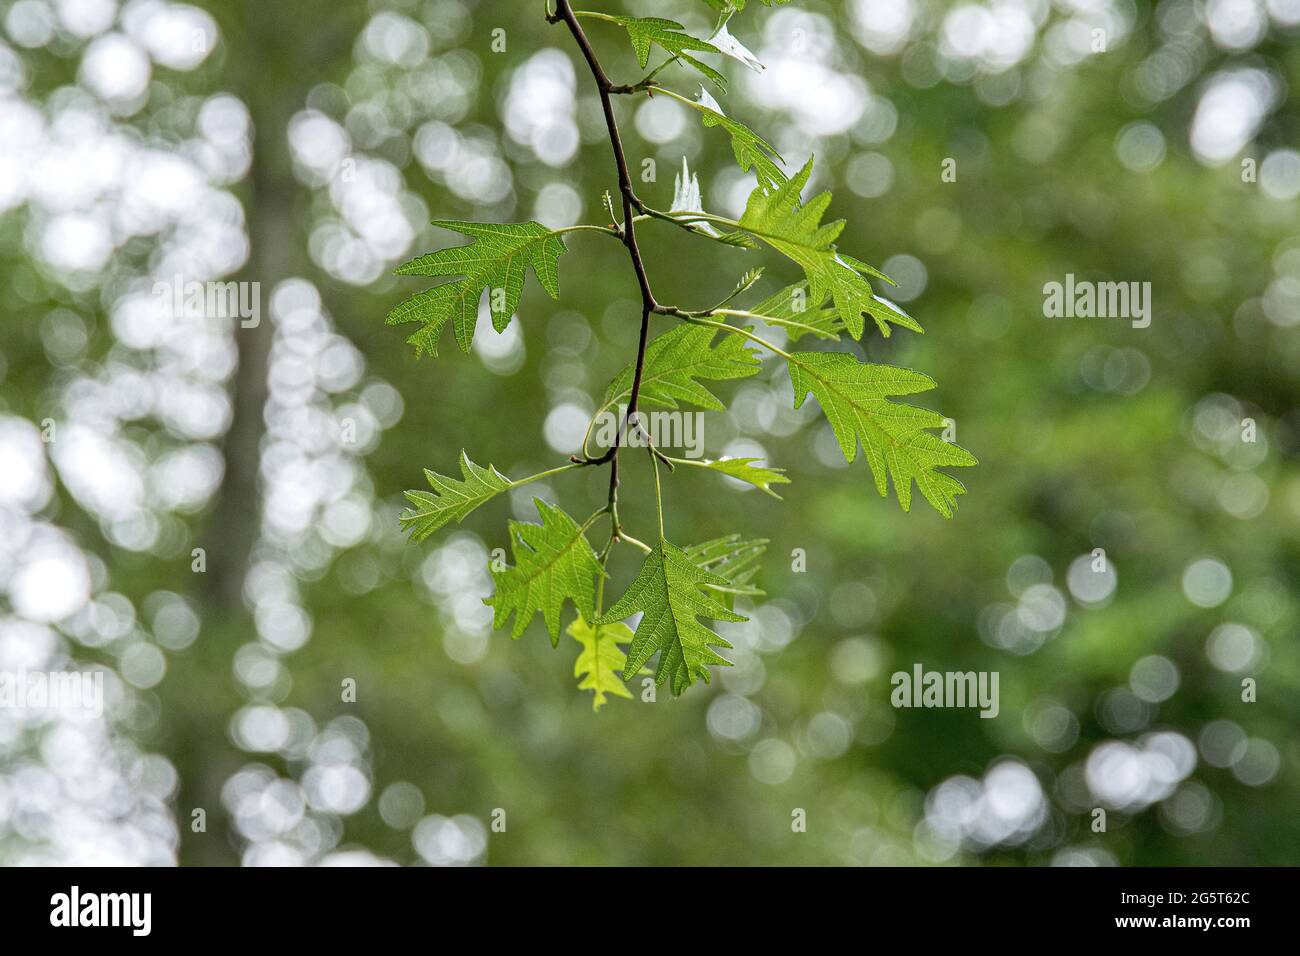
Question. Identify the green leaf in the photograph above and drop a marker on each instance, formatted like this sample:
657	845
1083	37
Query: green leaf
644	31
496	261
725	6
869	270
452	499
792	309
743	469
553	563
734	559
670	591
893	435
884	311
794	228
601	659
730	556
676	359
750	149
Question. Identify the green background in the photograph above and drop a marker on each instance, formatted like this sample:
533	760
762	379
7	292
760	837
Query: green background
1090	434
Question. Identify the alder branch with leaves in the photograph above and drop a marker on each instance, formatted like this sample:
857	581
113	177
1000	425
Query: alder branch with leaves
676	586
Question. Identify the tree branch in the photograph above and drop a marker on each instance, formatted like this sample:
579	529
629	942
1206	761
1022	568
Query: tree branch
564	13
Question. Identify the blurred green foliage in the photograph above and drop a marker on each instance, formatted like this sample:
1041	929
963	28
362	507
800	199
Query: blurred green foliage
1090	434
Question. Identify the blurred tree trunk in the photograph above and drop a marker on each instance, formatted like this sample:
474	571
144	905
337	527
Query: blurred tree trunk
274	53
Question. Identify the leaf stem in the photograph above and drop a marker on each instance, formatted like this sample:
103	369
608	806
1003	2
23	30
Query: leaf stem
564	12
682	223
592	520
769	319
698	462
600	584
588	227
645	82
543	474
659	492
696	319
686	218
591	426
633	541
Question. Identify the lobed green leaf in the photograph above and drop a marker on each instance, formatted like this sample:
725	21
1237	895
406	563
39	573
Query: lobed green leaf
895	438
670	591
452	499
496	262
553	563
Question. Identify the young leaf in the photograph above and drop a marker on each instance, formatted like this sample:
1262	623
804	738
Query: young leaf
669	589
686	193
601	658
728	45
750	149
643	31
553	563
674	361
893	435
688	199
794	228
744	469
496	261
743	284
452	499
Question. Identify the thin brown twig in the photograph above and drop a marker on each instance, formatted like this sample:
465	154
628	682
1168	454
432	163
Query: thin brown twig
564	13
